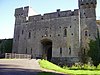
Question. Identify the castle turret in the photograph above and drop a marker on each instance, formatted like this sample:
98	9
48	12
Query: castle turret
87	21
87	8
87	4
21	16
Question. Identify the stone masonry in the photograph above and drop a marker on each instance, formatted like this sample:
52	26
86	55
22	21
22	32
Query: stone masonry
55	36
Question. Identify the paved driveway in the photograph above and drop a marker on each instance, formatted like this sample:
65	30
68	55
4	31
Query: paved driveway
19	67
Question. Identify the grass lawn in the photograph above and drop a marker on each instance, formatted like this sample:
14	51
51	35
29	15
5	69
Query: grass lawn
48	65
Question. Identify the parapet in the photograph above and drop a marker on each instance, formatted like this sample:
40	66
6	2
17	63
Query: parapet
52	15
22	11
35	18
19	11
87	2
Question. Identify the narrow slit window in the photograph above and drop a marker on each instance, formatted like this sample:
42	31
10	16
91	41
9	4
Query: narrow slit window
26	50
69	50
60	51
22	32
65	32
46	32
31	50
29	36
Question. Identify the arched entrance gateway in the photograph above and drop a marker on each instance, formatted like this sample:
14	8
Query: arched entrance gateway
46	49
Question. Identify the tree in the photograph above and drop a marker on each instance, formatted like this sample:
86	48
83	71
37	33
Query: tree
94	51
6	46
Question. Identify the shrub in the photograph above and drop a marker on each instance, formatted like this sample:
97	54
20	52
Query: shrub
89	67
65	67
77	66
98	67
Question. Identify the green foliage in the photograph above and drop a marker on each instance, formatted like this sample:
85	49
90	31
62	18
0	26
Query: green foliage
6	45
65	67
94	51
98	67
89	67
76	67
84	56
48	65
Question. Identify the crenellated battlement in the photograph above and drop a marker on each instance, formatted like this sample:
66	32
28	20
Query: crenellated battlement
35	17
23	11
52	15
87	3
19	11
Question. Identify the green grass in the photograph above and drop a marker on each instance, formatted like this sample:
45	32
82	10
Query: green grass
48	65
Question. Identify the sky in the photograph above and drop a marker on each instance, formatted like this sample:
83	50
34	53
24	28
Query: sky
7	9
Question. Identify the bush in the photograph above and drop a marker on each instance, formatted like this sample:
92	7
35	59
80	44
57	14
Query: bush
77	66
89	67
98	67
65	67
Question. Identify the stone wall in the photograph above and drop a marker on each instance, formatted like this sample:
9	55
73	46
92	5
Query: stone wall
61	27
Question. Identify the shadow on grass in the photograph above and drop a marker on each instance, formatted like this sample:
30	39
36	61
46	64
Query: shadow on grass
49	73
7	70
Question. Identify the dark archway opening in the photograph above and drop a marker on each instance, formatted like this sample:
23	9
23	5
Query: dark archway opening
46	49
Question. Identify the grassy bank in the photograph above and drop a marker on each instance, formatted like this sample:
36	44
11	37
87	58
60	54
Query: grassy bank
48	65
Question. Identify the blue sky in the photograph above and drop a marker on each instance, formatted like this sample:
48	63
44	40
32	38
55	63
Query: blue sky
7	8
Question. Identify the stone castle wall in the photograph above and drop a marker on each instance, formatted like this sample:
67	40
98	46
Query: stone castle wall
61	27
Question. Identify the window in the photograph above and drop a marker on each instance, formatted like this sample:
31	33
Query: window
29	35
58	34
69	50
50	35
26	50
86	33
59	27
31	50
42	18
65	32
22	32
72	33
46	32
61	51
89	34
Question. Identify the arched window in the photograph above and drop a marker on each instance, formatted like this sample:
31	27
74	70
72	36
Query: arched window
65	32
86	33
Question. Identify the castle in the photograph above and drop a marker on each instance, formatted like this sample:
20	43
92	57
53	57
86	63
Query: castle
55	36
